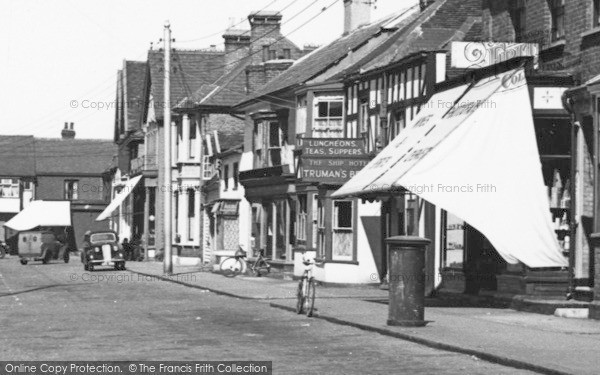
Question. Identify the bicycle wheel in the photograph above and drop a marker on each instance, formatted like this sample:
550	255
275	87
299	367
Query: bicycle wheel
300	296
310	297
231	267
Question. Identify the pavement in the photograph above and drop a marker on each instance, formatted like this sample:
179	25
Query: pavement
541	343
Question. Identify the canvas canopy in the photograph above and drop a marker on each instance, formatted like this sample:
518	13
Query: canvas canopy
42	214
472	151
119	198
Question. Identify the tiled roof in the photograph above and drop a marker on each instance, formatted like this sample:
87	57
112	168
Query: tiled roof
17	156
134	73
56	155
190	70
227	91
442	22
323	57
229	129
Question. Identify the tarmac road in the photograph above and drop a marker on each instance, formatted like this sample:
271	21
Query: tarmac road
60	312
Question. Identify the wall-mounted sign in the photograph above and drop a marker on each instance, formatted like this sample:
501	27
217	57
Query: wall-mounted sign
548	97
332	147
474	55
330	171
331	160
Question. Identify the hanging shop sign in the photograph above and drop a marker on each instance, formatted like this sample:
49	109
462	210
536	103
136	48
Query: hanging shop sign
331	160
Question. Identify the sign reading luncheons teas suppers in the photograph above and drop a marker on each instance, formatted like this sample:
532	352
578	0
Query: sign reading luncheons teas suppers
331	160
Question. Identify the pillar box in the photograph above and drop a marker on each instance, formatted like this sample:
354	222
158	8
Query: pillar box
595	305
406	280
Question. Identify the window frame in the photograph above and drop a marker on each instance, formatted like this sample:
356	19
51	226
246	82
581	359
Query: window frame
71	189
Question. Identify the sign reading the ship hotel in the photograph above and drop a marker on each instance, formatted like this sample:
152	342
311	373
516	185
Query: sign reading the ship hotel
331	160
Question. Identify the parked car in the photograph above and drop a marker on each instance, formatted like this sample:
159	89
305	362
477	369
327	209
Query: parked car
102	248
36	245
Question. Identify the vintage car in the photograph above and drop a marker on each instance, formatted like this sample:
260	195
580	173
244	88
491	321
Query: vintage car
102	248
41	245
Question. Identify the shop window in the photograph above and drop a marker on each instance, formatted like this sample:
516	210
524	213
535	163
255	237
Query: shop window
226	176
518	14
453	243
71	190
255	234
9	188
343	234
280	229
320	229
236	177
557	11
412	215
328	121
302	215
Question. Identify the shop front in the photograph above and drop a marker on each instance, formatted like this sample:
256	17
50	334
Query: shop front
467	176
342	234
269	191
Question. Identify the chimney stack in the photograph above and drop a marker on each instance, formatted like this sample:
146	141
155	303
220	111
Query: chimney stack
237	46
356	13
265	30
68	132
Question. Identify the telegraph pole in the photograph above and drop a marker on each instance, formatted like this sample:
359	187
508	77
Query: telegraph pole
168	258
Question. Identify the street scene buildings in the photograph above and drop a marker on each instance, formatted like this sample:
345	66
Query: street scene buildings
429	174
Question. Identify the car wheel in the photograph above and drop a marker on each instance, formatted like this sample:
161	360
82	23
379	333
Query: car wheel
85	267
66	257
91	267
23	261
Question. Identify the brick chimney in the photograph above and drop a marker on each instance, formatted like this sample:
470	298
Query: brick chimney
265	29
356	13
237	46
68	132
258	75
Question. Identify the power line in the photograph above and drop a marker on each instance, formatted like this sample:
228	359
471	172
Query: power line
270	31
230	27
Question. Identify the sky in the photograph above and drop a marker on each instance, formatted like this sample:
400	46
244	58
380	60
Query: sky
59	58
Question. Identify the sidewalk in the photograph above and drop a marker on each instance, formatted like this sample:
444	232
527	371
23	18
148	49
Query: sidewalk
543	343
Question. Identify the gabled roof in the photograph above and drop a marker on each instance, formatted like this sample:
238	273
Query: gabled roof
190	69
319	60
442	22
73	156
134	73
17	158
228	90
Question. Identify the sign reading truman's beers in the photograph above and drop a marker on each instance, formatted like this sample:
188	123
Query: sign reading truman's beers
331	160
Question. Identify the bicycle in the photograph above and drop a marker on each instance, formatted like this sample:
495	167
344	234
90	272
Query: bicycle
233	266
306	290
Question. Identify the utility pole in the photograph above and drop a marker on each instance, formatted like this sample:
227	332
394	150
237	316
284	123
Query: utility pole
168	258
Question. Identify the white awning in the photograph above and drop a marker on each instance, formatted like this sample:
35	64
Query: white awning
477	159
119	198
42	214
